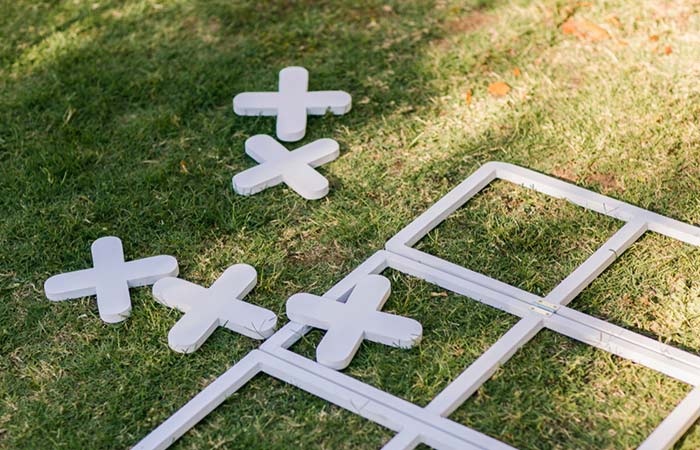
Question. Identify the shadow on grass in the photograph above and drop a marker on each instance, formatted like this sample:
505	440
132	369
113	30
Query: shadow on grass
120	123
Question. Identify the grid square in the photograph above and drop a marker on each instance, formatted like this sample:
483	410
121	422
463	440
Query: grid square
651	289
519	236
454	336
577	397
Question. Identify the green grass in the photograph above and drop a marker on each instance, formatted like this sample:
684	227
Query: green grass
115	119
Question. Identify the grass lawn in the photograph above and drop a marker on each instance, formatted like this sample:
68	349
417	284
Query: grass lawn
116	119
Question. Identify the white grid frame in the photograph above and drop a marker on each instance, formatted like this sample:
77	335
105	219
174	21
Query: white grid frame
430	425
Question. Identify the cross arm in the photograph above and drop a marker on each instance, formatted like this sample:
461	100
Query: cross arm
179	294
81	283
249	320
391	330
256	103
318	152
320	102
256	179
372	292
305	181
236	281
309	309
142	272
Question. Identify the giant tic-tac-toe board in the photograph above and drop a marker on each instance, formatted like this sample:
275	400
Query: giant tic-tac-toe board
429	424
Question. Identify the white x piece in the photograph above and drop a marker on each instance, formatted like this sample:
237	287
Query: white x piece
279	165
349	323
110	279
218	306
292	103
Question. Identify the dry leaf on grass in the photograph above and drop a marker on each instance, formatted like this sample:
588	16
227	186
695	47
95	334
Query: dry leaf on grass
614	21
654	37
668	50
516	72
468	97
499	89
585	29
569	27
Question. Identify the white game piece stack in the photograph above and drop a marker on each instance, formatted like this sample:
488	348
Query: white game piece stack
110	279
218	306
291	104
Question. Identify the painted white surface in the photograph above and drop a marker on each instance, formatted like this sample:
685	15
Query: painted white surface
292	103
110	278
676	424
430	425
220	305
278	165
349	323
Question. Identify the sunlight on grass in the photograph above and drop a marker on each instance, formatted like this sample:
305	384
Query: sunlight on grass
570	395
651	288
